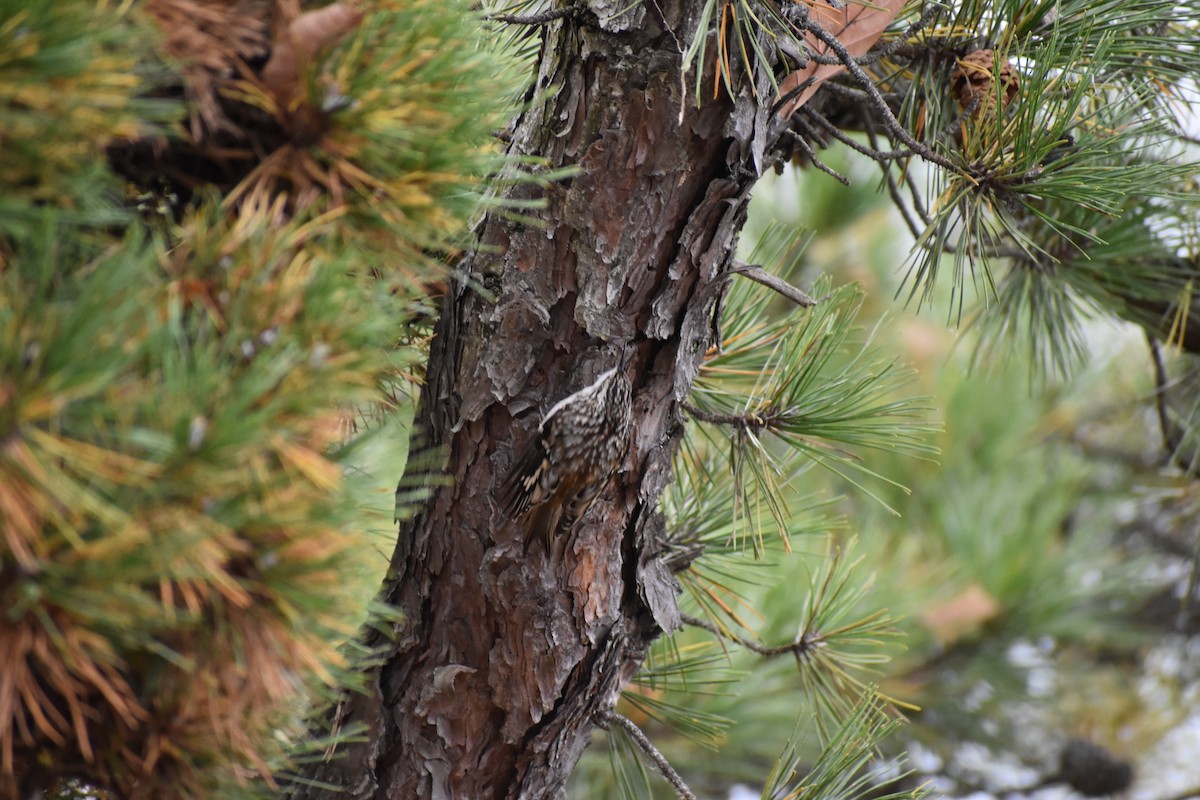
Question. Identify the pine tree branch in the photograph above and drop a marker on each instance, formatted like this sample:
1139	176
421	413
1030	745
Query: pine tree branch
777	284
799	648
647	747
746	421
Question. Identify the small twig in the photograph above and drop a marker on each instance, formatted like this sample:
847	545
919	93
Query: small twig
837	87
804	146
880	157
846	139
647	747
540	18
759	275
799	648
1172	436
746	421
897	198
918	203
1170	441
810	133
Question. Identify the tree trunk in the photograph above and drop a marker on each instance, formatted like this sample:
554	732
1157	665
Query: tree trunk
494	680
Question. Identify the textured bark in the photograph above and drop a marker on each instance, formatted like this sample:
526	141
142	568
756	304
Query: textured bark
492	684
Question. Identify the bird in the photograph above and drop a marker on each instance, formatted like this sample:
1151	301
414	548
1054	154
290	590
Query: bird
581	441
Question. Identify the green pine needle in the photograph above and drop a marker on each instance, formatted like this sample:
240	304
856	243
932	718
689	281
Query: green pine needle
806	385
842	771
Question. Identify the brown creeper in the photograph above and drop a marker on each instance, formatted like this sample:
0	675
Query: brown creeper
581	442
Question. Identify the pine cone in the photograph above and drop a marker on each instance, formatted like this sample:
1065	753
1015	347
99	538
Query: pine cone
974	83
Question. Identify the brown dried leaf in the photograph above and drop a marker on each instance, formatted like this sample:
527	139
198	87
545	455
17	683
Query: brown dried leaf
857	26
961	615
300	41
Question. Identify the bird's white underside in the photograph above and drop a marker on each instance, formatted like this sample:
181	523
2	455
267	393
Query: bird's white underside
595	387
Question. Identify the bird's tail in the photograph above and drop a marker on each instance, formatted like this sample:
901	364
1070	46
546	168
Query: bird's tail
560	515
543	525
